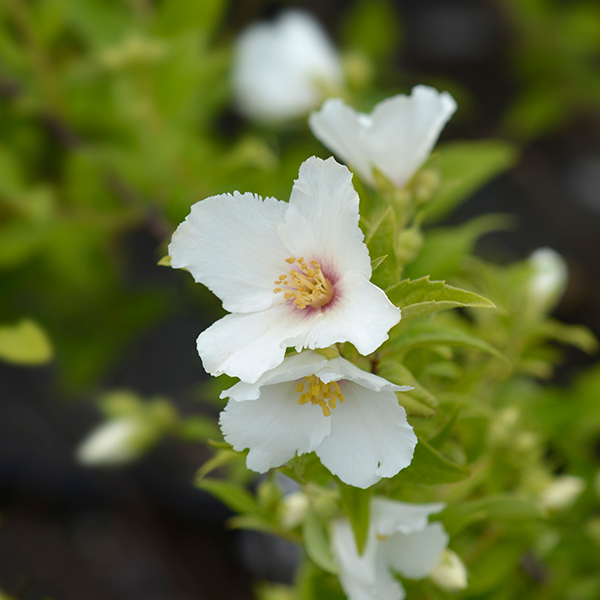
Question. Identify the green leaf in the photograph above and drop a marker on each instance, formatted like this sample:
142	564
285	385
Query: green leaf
316	542
198	428
441	437
380	242
423	334
418	401
176	16
429	467
165	261
576	335
377	261
445	248
24	343
502	507
466	166
233	495
219	459
422	297
356	503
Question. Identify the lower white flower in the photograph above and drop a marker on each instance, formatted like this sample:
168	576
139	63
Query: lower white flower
400	540
350	418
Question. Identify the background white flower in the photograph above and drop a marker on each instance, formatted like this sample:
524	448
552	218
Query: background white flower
400	540
292	274
396	138
281	69
549	278
349	417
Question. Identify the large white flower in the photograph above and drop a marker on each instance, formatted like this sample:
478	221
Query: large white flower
293	274
281	69
396	138
400	540
349	417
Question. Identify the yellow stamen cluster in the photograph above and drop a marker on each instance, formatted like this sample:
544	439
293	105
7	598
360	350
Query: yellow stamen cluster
305	283
325	395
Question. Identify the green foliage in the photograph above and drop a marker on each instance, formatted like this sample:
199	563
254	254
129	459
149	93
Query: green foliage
24	343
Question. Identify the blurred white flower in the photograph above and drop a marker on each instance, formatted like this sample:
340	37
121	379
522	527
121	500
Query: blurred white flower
350	418
294	507
549	279
562	492
400	540
282	69
451	573
396	138
292	274
115	443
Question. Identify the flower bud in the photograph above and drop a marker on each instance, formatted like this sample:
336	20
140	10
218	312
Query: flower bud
451	573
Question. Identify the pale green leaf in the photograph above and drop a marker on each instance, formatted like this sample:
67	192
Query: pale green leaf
177	16
24	343
465	167
219	459
422	297
317	544
356	503
380	242
165	261
233	495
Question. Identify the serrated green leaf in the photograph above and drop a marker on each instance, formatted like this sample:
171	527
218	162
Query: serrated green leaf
418	401
316	542
356	503
423	334
422	297
233	495
465	167
380	242
429	467
24	343
496	508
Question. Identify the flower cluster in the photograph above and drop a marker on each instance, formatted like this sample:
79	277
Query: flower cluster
297	275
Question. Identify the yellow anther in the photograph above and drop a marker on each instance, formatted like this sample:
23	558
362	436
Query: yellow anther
325	395
307	286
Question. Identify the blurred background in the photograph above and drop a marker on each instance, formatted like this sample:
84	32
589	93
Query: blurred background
117	115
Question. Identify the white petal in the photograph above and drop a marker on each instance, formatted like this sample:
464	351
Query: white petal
396	138
392	516
363	577
278	67
274	427
416	554
340	368
359	313
370	437
405	129
291	369
344	131
230	244
248	345
322	221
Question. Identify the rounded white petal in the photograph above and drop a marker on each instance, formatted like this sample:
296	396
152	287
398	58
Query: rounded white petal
359	313
396	138
370	437
322	221
248	345
451	573
230	244
415	555
340	368
274	426
562	492
113	443
292	368
279	67
392	516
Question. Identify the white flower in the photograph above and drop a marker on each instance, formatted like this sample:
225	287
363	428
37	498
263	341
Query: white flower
562	492
400	540
549	279
350	418
451	573
115	443
292	274
396	138
281	69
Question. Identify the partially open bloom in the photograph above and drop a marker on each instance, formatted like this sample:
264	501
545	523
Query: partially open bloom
451	573
292	274
400	540
396	138
350	418
281	69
